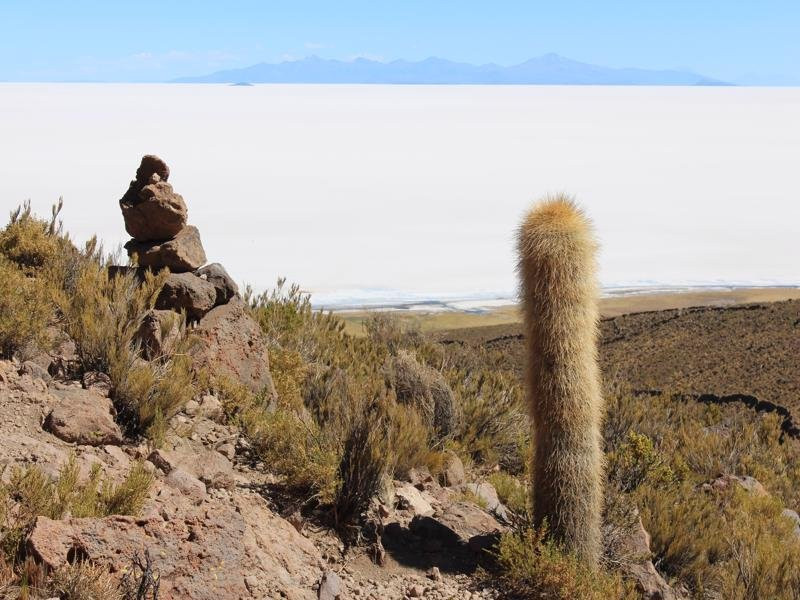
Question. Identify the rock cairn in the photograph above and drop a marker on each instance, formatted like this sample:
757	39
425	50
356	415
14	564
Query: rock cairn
156	217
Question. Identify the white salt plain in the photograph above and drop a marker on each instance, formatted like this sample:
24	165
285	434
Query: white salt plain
381	194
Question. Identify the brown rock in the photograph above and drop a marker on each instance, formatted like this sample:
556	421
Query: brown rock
83	417
152	164
187	484
153	211
186	291
230	343
181	254
456	524
640	568
237	549
209	466
216	275
158	333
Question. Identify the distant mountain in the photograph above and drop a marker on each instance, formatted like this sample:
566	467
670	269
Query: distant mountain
550	69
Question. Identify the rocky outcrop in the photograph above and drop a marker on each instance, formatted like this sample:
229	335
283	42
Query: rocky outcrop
230	343
83	417
214	550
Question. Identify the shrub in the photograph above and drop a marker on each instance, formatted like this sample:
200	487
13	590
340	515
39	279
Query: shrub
531	566
30	493
82	581
494	427
102	316
511	492
33	244
26	308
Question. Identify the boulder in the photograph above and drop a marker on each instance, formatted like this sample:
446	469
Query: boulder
452	470
726	481
158	333
186	291
486	492
189	485
181	254
209	466
459	523
330	587
83	417
236	549
411	499
153	211
216	275
231	344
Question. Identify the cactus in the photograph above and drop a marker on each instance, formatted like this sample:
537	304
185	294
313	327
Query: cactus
557	271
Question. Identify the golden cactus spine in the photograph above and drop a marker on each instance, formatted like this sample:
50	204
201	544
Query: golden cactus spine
557	270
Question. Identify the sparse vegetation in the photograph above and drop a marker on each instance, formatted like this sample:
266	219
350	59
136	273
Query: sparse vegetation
532	566
30	493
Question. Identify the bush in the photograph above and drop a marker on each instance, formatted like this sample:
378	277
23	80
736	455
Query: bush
511	492
102	316
30	493
532	567
26	308
426	390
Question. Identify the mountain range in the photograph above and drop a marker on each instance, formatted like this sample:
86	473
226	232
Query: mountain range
550	69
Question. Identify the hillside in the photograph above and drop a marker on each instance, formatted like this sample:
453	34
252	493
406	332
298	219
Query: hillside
746	349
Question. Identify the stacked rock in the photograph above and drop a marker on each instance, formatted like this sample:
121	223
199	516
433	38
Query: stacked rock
156	218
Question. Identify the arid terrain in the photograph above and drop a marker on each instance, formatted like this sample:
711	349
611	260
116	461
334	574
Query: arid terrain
750	349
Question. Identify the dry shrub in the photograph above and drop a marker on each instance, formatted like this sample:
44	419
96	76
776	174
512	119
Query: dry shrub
494	427
425	389
532	567
385	329
35	245
30	493
26	308
82	581
102	316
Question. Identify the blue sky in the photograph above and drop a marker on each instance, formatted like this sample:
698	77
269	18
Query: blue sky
744	41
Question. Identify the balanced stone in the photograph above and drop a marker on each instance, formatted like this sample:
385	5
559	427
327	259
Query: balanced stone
182	254
151	208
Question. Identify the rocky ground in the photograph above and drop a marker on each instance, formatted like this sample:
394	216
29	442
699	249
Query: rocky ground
210	523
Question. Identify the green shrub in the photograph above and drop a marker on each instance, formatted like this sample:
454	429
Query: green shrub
532	567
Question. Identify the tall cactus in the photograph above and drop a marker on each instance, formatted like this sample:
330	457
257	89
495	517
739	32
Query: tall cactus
557	270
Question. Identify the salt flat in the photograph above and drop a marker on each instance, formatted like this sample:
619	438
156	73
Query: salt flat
389	192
